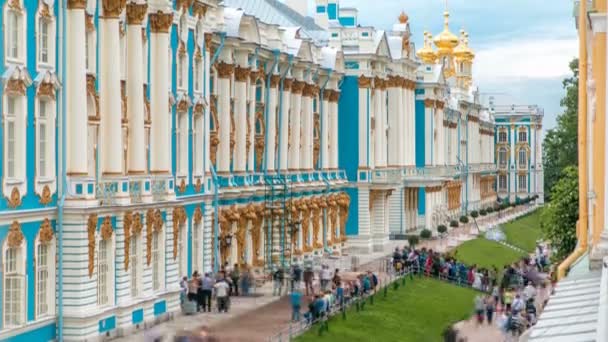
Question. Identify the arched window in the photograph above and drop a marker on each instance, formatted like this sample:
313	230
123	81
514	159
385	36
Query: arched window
11	139
197	74
197	144
502	157
46	136
523	183
14	285
523	159
181	143
14	35
44	41
45	271
523	136
502	136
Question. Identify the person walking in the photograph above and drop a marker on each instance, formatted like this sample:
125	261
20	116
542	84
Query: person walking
296	277
308	278
206	289
479	308
221	294
296	304
490	308
278	278
235	276
325	277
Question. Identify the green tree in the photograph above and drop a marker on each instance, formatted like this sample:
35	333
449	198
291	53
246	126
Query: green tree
560	147
558	220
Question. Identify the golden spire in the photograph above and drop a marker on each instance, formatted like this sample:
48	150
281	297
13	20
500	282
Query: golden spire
403	18
463	51
426	53
446	41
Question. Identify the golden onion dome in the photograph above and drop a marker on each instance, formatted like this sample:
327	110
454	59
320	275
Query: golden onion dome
463	51
446	41
426	53
403	18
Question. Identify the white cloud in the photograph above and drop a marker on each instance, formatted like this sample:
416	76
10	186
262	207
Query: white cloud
528	58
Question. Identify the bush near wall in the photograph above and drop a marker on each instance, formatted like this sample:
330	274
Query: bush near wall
454	224
474	214
464	219
426	234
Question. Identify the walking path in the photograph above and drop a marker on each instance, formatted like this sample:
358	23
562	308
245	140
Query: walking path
257	318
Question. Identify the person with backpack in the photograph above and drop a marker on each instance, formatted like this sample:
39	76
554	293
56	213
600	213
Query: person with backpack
278	277
235	276
296	277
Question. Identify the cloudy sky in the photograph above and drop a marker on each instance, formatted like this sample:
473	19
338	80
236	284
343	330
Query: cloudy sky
523	47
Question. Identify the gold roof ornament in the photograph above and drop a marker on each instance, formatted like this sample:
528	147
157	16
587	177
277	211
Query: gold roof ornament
463	51
446	41
403	18
426	53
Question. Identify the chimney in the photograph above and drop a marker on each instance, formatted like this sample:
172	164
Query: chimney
300	6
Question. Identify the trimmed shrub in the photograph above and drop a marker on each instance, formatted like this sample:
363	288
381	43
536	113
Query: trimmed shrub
426	234
453	223
413	240
489	210
464	219
474	214
482	212
442	229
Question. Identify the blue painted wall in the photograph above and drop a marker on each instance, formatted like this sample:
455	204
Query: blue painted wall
348	126
420	131
332	11
352	223
347	21
44	333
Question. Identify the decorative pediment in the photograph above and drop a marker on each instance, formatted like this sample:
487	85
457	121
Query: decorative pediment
14	200
382	48
106	228
199	105
45	234
47	84
45	195
16	79
183	103
15	235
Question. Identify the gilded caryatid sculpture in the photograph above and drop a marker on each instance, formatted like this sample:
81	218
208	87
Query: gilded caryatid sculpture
305	210
256	231
295	218
247	214
316	221
332	204
343	203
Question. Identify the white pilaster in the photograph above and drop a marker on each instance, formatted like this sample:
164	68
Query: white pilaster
284	124
364	123
225	71
393	125
379	148
295	125
333	133
271	125
325	129
241	77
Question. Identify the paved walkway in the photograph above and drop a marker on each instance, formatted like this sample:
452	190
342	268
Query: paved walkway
255	319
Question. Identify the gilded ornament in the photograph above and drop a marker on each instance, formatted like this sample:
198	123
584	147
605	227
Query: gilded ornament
45	11
287	83
15	87
297	87
45	196
47	90
199	9
15	235
316	222
183	4
71	4
256	231
137	225
344	204
179	220
208	39
88	23
91	229
15	5
14	200
335	96
46	231
198	55
248	139
183	105
198	186
429	103
225	70
160	22
149	228
158	221
92	92
232	133
241	74
136	13
199	108
127	222
106	228
113	8
365	82
259	140
198	215
274	81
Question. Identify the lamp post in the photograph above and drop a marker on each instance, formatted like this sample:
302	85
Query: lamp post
226	243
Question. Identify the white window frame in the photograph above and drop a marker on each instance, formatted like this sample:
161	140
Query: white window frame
135	266
523	134
49	63
15	54
182	79
197	74
182	249
519	183
197	244
502	182
45	122
49	284
502	134
502	161
18	121
105	272
197	144
158	260
17	276
519	159
181	141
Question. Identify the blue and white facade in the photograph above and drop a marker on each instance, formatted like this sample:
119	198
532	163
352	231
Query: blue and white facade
519	151
146	140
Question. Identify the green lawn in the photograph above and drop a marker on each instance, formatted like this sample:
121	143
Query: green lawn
418	312
486	253
525	231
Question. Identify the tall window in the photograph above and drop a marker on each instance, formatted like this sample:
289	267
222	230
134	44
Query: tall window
523	159
182	247
523	136
197	75
157	258
134	264
502	137
196	247
10	137
14	287
502	182
197	145
44	41
523	183
12	34
181	141
180	72
42	138
42	279
103	273
502	157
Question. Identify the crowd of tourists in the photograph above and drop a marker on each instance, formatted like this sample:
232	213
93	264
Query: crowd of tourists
515	292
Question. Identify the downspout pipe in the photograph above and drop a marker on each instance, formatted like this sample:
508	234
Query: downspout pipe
216	183
63	184
581	225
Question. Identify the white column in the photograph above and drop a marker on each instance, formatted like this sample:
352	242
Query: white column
400	129
271	124
407	128
251	120
284	124
364	122
412	120
295	125
241	76
225	71
160	23
379	148
307	128
109	94
207	88
440	136
393	124
324	151
428	132
383	110
135	96
76	87
333	134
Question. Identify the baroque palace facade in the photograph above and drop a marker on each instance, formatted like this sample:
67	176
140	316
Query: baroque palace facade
144	140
